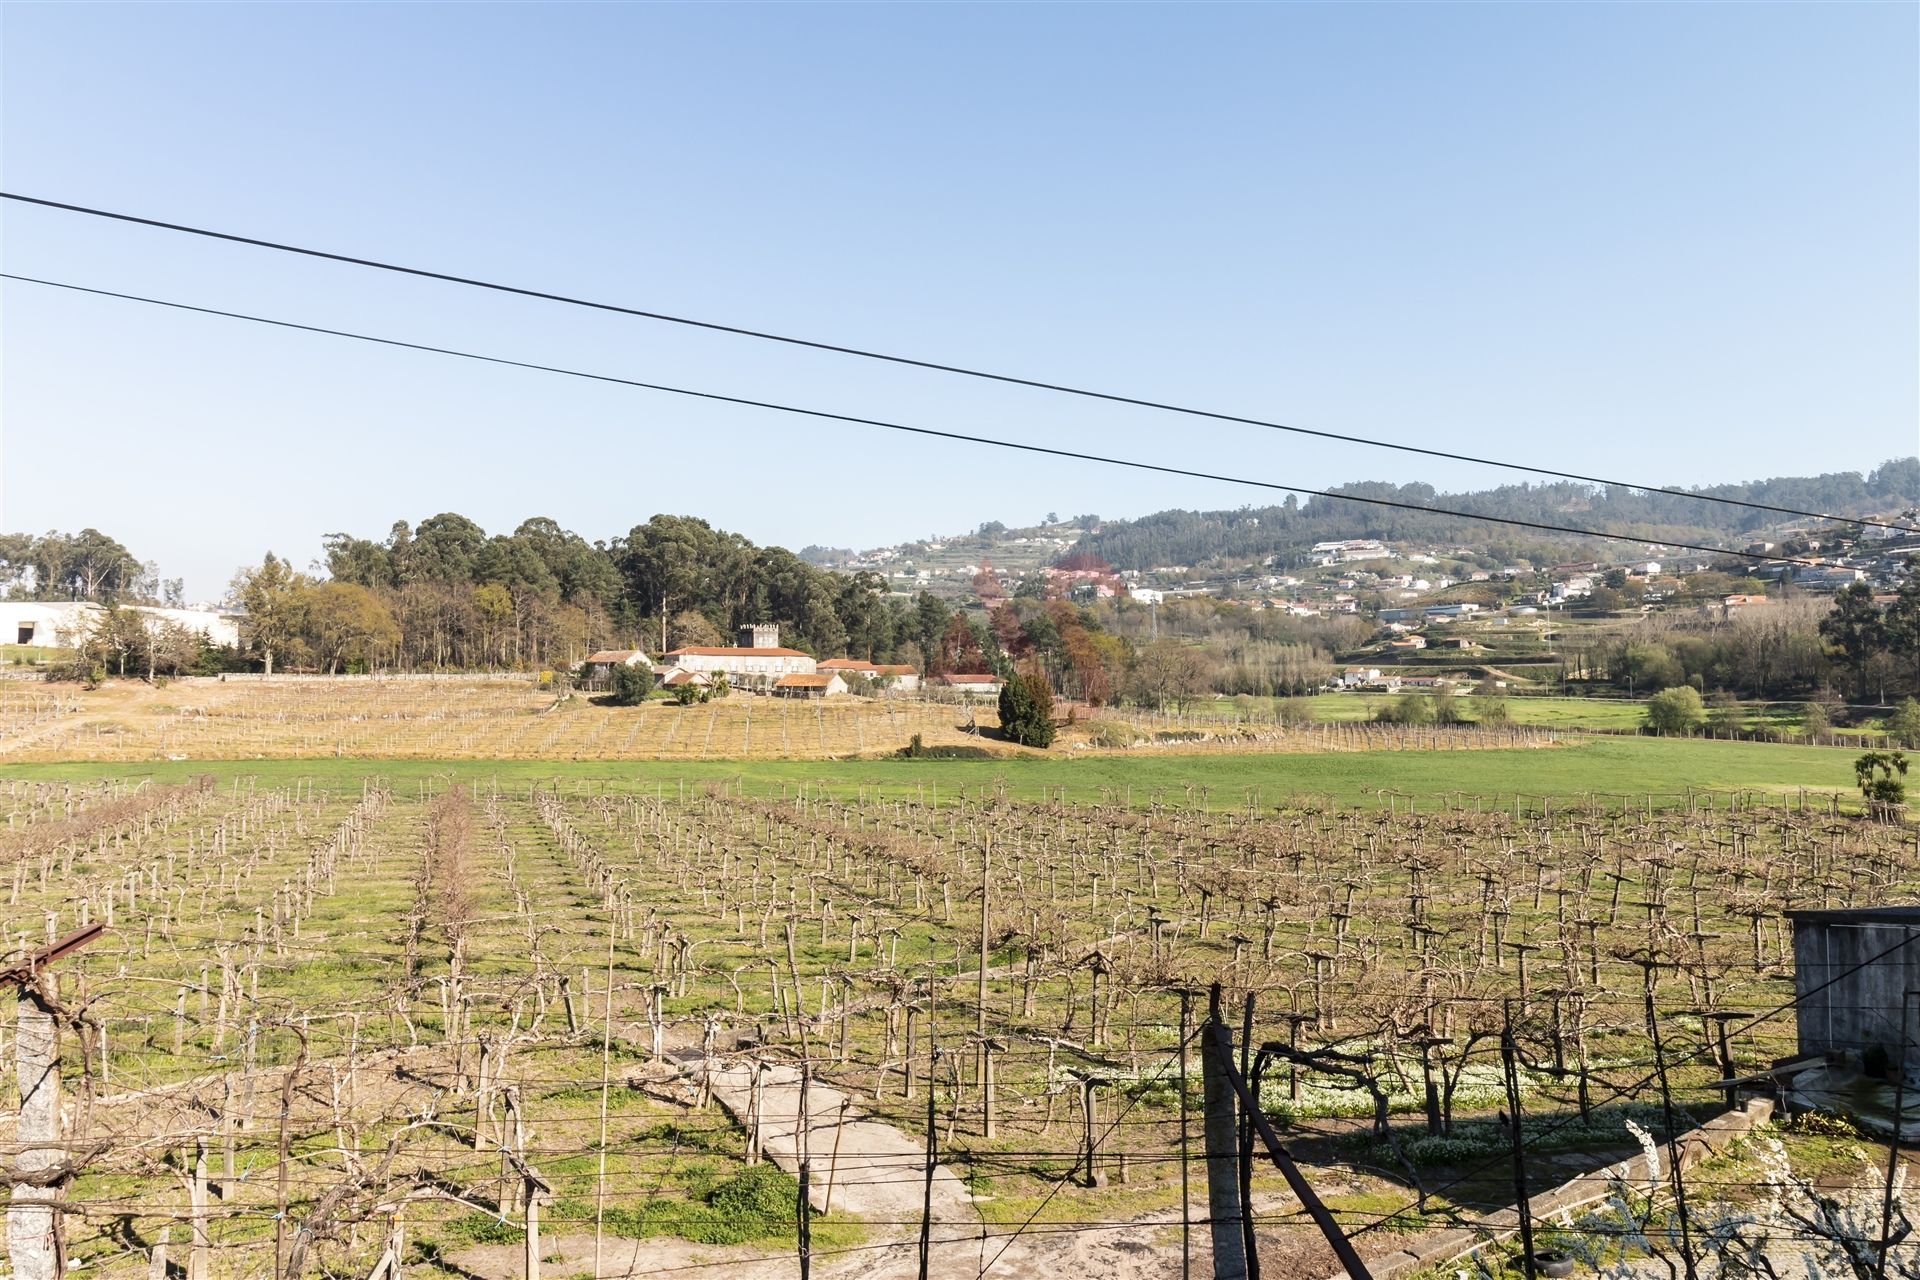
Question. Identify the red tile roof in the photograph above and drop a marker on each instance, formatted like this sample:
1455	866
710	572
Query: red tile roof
803	682
709	651
612	655
848	664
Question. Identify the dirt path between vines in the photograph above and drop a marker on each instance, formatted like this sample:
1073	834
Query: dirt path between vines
878	1178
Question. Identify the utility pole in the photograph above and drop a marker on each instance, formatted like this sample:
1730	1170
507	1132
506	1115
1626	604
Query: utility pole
804	1208
1246	1139
983	1067
1673	1134
1521	1204
1186	1198
1220	1131
933	1157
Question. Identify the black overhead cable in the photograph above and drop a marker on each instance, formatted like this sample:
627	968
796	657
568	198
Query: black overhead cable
936	366
1049	450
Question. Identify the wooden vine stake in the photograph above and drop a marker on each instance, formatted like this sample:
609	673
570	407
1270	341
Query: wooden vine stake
44	1166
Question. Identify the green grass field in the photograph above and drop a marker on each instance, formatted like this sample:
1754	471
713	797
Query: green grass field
1607	766
23	654
1565	713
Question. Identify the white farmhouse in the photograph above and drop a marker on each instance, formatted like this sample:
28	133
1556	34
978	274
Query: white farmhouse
756	663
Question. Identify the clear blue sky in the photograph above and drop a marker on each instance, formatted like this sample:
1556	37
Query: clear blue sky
1674	242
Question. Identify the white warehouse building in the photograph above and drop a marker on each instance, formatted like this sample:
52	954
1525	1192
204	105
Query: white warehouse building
60	624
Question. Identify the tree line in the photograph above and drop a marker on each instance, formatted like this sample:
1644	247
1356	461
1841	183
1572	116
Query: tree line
445	594
1197	538
87	565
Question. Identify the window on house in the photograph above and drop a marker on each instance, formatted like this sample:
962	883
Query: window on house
26	633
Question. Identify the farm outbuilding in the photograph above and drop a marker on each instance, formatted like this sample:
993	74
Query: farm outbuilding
813	685
976	684
603	662
895	676
1853	968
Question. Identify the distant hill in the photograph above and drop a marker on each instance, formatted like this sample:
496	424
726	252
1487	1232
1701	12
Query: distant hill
1253	534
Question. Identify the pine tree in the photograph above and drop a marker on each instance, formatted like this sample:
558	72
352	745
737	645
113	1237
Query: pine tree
1026	711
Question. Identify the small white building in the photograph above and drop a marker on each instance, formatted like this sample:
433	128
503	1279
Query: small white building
820	684
973	684
892	676
600	664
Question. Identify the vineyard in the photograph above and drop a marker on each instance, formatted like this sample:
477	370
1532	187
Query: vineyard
418	718
595	1027
516	718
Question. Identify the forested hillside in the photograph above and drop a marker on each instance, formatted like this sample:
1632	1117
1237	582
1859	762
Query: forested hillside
1254	533
457	596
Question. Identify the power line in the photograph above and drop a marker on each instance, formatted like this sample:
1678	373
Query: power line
1049	450
912	362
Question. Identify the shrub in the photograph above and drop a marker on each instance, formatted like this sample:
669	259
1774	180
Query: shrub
1408	708
948	753
1725	714
1294	711
1904	723
1677	710
631	685
84	670
1881	776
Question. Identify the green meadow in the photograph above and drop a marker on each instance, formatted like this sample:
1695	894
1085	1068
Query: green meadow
1601	766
